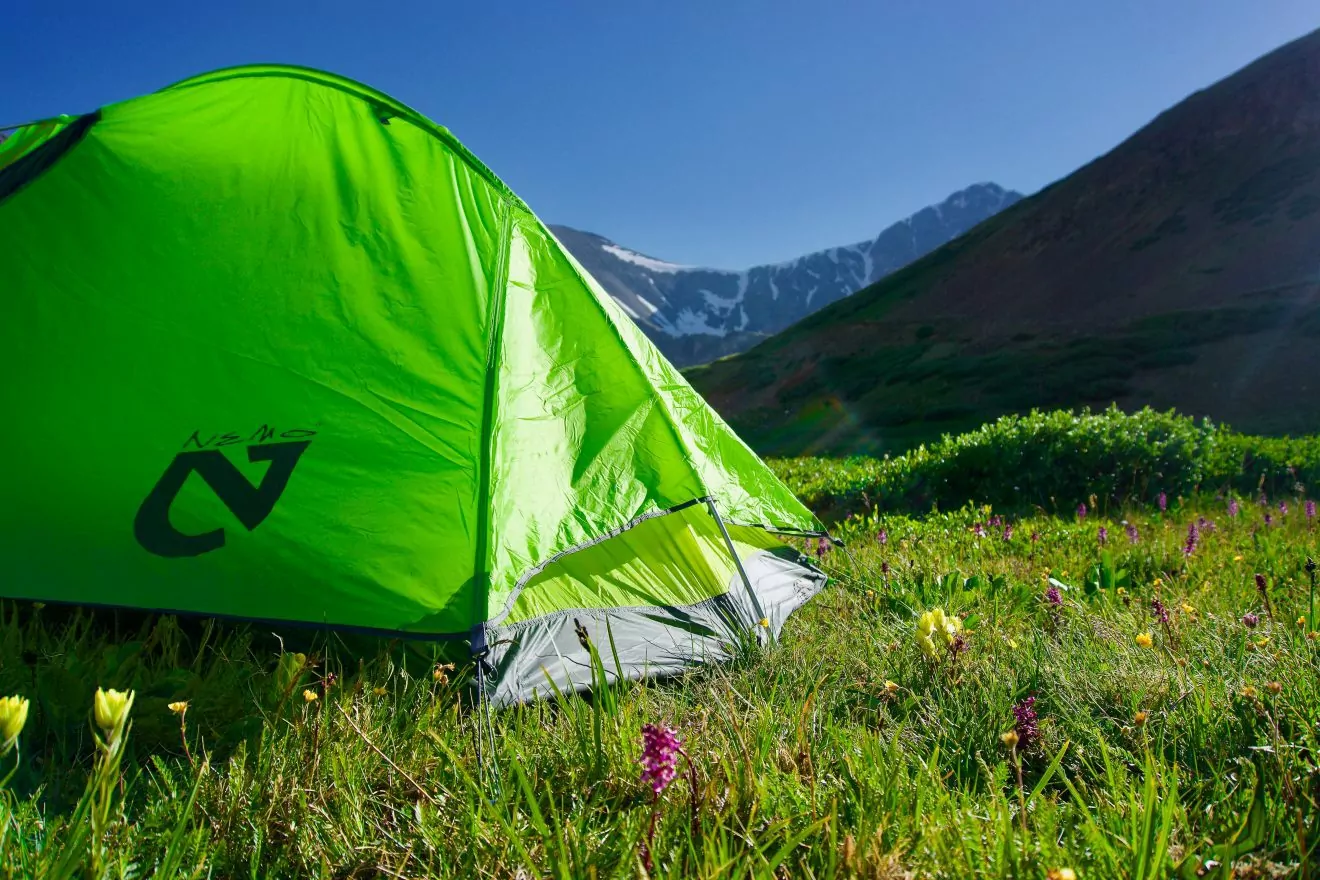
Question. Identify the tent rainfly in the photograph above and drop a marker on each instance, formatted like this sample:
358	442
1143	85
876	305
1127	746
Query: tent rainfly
278	347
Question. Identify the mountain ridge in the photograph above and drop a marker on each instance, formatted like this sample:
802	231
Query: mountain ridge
695	314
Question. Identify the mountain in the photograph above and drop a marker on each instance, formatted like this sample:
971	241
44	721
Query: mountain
695	315
1178	270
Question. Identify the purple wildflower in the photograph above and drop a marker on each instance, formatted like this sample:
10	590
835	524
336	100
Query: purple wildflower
1103	536
1310	509
1260	584
883	537
1269	520
1163	501
1283	508
1262	500
1008	532
822	547
1206	525
978	530
1053	596
884	569
1232	507
1133	535
1193	538
1158	610
1035	536
1025	724
995	521
660	749
1081	510
1250	620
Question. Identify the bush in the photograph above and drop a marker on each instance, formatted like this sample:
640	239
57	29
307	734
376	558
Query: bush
1053	461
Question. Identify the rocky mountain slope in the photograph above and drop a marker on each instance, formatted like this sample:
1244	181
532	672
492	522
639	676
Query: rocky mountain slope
696	314
1180	269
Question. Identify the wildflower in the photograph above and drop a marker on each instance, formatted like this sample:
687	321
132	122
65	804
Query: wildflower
178	707
1310	509
1193	537
1188	609
1262	500
1237	558
1025	726
1250	620
1163	501
1144	640
1269	520
309	695
1008	533
822	547
1159	611
1274	687
1139	719
1262	641
1035	537
440	675
1232	507
1301	621
935	624
1061	874
13	716
1009	739
1081	510
994	521
1260	584
891	687
1053	597
1283	508
978	530
1249	692
764	622
882	537
1158	582
884	569
379	691
1206	525
1132	535
1103	536
660	749
110	709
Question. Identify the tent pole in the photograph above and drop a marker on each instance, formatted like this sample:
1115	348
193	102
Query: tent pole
742	572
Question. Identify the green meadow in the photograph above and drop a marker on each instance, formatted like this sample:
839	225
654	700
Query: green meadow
1120	682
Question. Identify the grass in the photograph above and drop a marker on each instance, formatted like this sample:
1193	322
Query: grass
841	751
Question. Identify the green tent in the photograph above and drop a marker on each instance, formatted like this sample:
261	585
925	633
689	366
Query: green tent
278	347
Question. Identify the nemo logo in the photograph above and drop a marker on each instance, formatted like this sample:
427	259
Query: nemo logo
250	504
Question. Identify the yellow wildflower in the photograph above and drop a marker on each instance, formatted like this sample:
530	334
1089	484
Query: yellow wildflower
1188	609
1274	687
1009	739
890	686
1144	640
179	707
1061	874
441	673
765	622
379	691
13	716
1301	621
309	695
1159	582
1249	692
1237	558
1139	719
933	625
110	709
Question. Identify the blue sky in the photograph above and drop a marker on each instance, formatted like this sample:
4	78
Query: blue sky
714	132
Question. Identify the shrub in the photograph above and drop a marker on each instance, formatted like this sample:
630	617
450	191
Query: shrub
1054	460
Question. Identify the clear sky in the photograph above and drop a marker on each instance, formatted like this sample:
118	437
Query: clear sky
711	132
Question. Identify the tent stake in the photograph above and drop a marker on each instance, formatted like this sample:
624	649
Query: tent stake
728	542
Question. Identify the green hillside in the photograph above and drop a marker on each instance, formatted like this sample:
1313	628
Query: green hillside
1179	270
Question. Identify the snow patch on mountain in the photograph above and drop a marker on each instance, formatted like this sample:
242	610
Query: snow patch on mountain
642	260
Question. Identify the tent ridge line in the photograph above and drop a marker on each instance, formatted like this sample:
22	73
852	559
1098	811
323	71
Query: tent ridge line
481	579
